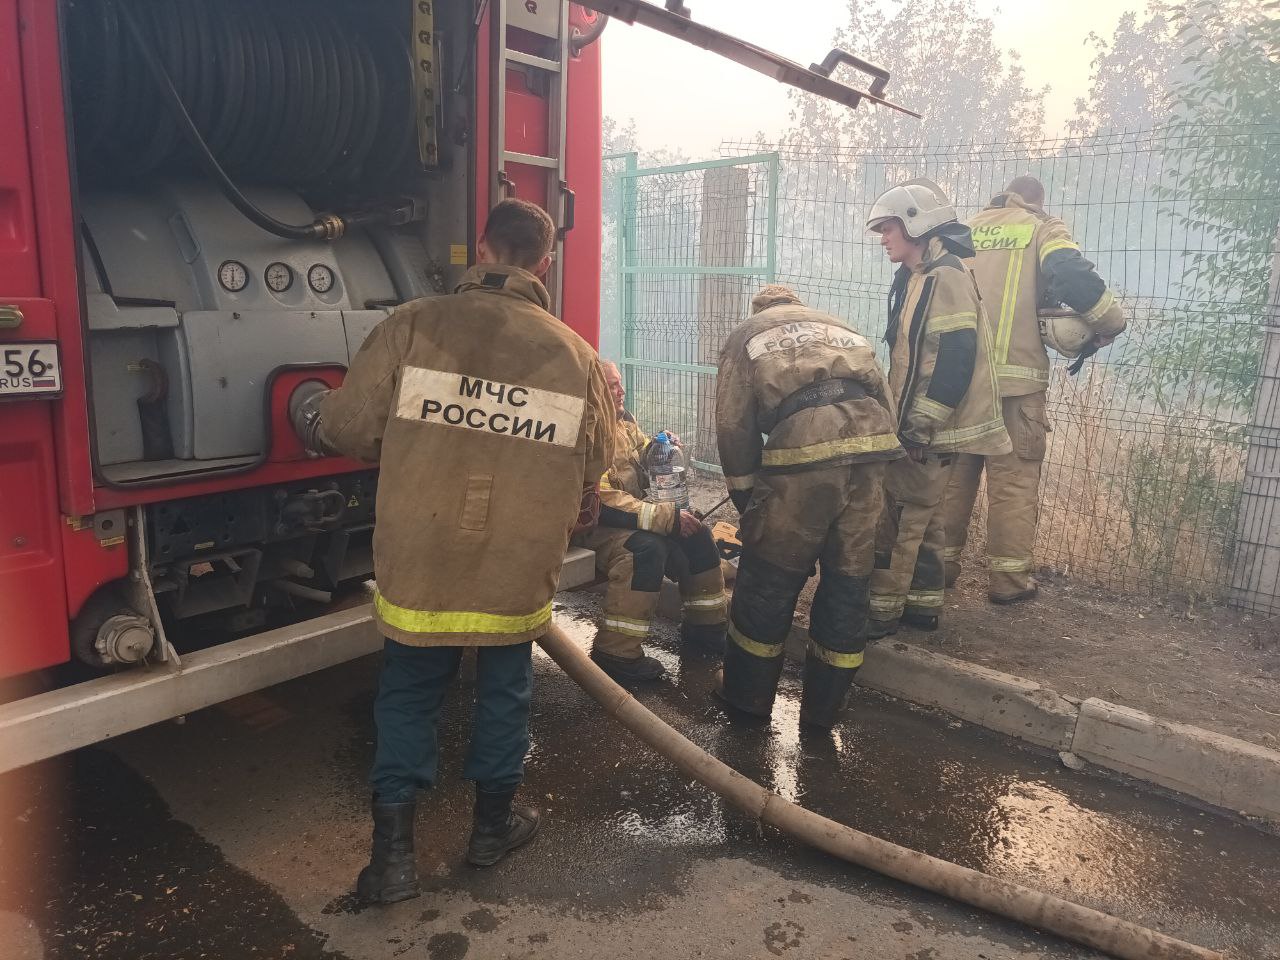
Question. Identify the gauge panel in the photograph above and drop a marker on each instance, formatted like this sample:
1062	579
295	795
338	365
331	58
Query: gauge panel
278	277
233	275
320	278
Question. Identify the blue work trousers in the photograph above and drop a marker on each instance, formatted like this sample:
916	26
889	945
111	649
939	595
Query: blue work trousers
411	692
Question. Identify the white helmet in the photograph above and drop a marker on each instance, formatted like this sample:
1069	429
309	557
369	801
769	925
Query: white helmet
1064	331
920	204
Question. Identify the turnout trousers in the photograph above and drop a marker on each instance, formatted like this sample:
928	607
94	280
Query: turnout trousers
635	561
824	516
411	692
910	539
1013	499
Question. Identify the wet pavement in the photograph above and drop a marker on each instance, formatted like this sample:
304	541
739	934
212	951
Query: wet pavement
239	832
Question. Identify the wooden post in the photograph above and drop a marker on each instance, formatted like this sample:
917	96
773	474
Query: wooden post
1255	575
722	242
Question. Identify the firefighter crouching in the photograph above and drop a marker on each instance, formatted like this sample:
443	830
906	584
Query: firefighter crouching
637	543
1025	259
810	494
944	383
485	414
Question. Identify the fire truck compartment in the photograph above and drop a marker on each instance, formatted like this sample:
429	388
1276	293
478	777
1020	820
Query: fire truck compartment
191	308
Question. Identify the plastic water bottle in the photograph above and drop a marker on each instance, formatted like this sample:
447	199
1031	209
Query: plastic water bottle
664	463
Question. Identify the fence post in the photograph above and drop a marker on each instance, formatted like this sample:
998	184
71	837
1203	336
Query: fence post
1255	577
722	242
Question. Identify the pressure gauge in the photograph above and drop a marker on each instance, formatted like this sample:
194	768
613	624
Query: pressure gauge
320	278
233	276
279	277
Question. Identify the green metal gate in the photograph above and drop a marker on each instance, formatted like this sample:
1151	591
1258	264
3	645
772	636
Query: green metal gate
688	247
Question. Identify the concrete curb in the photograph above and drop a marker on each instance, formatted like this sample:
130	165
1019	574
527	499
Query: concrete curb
1224	771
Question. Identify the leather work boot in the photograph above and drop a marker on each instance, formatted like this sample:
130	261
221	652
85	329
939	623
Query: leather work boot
499	827
920	621
392	873
1019	597
881	628
708	636
628	669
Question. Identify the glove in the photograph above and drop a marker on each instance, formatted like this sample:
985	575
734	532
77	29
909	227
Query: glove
588	511
740	500
304	414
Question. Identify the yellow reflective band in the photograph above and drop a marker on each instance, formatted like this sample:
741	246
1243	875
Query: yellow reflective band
1008	306
953	321
952	553
741	483
1104	303
767	651
924	598
887	603
846	661
1058	244
633	628
1022	373
877	443
967	434
645	520
457	621
1010	564
932	409
605	484
706	603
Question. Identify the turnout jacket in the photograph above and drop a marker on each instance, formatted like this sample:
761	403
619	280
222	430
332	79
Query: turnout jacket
810	383
625	484
1024	260
940	361
485	414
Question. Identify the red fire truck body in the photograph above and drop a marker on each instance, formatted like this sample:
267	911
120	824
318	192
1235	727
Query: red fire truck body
204	203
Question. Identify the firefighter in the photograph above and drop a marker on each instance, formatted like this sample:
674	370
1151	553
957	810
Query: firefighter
1025	259
636	544
809	495
944	384
485	413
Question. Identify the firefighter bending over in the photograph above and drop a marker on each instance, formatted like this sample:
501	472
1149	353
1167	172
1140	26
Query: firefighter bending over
810	494
636	544
941	373
485	414
1025	259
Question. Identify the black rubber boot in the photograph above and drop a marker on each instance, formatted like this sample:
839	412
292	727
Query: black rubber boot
392	873
824	693
920	621
708	636
881	628
628	669
499	826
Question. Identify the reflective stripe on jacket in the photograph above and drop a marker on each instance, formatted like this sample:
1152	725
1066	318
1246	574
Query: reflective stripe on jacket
1024	260
783	348
940	359
484	413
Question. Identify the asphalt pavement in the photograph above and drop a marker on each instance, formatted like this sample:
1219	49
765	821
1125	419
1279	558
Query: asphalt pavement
238	833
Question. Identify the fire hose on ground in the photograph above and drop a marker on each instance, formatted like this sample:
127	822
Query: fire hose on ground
1042	911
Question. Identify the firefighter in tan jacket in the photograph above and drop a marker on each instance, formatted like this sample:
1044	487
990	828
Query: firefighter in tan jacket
944	382
637	543
485	415
808	495
1025	260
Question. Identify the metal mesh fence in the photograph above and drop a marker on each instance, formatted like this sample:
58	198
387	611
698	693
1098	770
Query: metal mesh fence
1161	475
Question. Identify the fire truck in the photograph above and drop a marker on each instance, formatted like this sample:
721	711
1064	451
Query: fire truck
203	204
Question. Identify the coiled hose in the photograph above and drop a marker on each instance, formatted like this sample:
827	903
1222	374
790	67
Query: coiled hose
305	93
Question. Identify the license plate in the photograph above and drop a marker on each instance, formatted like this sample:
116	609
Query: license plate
29	369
